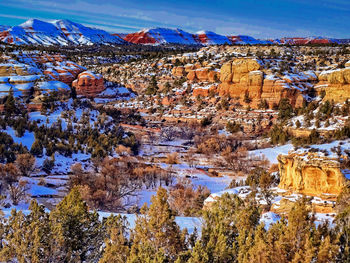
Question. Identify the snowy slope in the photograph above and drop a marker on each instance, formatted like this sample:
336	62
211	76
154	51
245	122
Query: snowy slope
58	32
161	36
244	40
211	38
178	36
2	28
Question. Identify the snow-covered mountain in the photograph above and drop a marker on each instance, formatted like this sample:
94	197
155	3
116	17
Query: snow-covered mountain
178	36
244	40
306	40
211	38
161	36
58	32
65	32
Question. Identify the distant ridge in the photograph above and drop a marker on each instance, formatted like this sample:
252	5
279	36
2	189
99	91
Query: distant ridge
58	32
65	32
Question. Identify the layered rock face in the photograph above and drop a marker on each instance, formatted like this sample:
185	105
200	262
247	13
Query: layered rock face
89	84
204	91
196	73
337	84
310	174
244	77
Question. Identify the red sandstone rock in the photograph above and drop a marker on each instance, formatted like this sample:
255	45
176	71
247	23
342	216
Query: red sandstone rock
204	91
89	84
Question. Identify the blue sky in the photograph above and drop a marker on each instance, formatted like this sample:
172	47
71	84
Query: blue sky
259	18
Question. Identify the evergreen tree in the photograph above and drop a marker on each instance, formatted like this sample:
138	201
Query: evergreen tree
27	236
157	237
224	222
75	231
10	104
285	109
117	245
37	148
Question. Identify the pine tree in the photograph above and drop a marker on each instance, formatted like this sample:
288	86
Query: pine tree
37	148
156	237
76	232
259	252
10	104
117	245
228	218
27	236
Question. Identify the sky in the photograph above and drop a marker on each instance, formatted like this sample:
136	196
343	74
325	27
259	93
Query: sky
257	18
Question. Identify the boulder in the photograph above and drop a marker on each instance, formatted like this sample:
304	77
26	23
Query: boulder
213	76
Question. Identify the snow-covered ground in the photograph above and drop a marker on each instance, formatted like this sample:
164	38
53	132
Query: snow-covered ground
272	152
26	140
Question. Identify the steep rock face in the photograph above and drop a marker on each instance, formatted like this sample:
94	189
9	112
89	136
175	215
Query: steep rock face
244	77
336	84
310	174
89	84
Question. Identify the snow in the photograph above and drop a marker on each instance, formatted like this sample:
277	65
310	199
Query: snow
53	85
272	153
27	139
184	222
212	38
30	78
58	32
346	173
171	36
269	218
37	190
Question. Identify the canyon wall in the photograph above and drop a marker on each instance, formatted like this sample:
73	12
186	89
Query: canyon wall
245	80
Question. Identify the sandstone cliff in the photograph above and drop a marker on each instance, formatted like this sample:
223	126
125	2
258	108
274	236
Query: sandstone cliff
310	174
245	77
336	84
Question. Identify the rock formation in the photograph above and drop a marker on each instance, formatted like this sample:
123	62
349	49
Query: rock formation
336	84
204	91
245	77
89	84
310	174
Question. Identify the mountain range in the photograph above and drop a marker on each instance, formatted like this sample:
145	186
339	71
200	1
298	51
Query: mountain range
65	32
57	32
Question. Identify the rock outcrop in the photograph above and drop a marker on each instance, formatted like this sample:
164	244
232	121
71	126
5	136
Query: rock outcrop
204	91
310	174
245	80
196	73
179	71
89	84
336	84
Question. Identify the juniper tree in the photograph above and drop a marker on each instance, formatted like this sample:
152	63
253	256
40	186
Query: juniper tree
157	237
75	231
